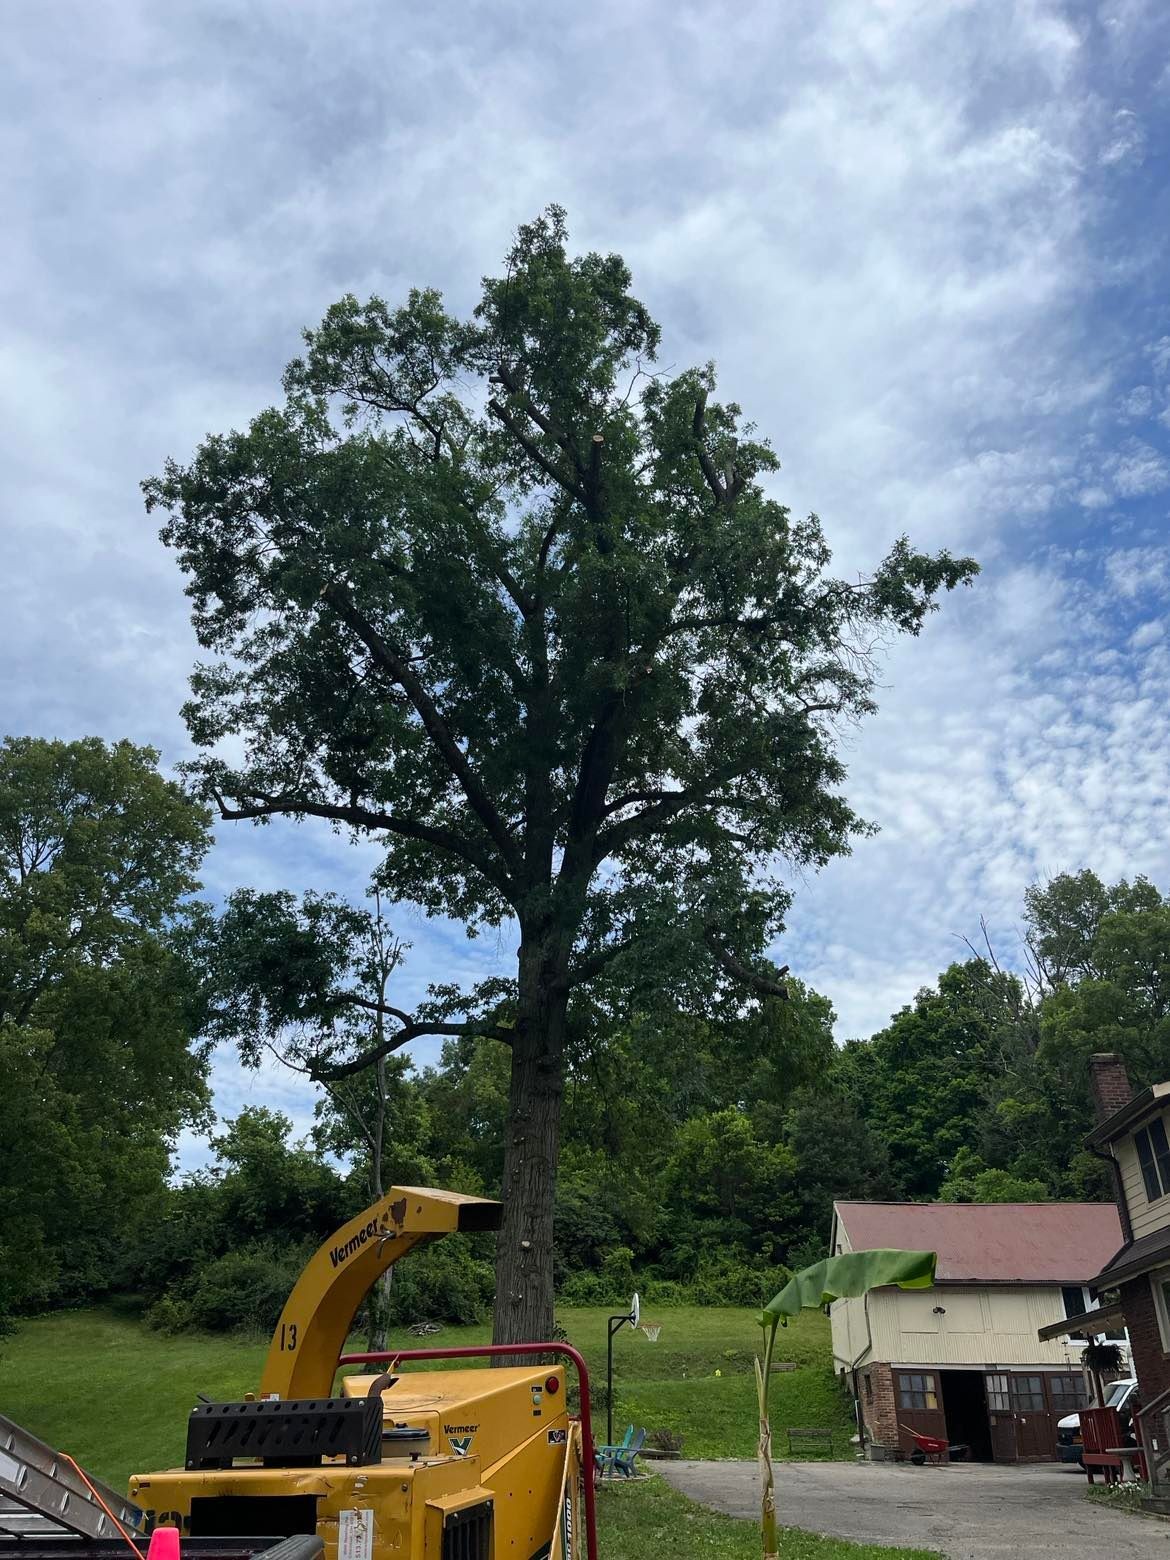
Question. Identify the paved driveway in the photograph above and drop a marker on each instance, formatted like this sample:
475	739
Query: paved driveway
968	1511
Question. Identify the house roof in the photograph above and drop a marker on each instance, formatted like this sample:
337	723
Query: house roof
993	1243
1130	1116
1140	1256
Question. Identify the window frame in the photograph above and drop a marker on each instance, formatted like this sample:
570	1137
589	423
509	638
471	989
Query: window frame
1159	1285
927	1390
1023	1399
993	1389
1060	1401
1153	1153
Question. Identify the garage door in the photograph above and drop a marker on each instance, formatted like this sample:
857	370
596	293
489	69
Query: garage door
919	1404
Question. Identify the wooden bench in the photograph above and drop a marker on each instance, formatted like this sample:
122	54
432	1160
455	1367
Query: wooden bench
824	1438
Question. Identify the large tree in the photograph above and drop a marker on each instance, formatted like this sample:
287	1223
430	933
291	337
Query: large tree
526	610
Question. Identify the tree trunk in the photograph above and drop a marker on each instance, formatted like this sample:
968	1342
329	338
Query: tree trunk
524	1248
378	1299
378	1312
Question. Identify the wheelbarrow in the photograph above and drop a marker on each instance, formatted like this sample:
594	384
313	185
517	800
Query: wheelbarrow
931	1448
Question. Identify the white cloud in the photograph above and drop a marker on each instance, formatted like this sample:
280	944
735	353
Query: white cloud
1127	142
1013	744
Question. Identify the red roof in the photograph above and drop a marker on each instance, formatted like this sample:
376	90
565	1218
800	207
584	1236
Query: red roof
994	1243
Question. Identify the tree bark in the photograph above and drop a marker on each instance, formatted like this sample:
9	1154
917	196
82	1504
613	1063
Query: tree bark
524	1248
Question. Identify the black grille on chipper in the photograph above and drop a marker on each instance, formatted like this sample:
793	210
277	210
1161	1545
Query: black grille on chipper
294	1434
467	1534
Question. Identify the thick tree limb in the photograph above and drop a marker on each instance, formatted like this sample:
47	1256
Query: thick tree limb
511	383
413	1031
399	668
533	450
763	984
698	428
586	969
267	806
727	488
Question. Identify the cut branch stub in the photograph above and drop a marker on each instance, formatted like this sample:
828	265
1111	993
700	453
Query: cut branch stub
755	980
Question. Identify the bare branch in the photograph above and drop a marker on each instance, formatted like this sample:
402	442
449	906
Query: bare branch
763	984
533	450
698	427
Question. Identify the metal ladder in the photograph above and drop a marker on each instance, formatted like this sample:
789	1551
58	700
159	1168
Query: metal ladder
42	1496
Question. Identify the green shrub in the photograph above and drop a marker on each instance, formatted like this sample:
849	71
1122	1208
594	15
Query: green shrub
666	1292
442	1282
168	1315
246	1288
729	1280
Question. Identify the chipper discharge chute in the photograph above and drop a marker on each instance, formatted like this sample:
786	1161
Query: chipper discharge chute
452	1464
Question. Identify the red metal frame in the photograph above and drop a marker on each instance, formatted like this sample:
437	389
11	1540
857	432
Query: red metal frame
495	1351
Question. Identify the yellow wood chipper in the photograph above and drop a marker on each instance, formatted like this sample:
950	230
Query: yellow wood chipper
389	1464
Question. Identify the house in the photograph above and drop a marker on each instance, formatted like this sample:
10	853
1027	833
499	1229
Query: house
963	1360
1133	1135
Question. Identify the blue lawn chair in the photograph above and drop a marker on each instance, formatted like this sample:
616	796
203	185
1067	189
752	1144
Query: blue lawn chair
603	1456
624	1457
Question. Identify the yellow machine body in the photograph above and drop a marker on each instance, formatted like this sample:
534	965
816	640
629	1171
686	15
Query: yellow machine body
476	1464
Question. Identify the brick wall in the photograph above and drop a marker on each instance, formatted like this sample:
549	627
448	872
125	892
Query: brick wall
1108	1084
1150	1361
879	1411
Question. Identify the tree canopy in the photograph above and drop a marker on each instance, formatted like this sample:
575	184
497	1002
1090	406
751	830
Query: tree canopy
502	594
98	1005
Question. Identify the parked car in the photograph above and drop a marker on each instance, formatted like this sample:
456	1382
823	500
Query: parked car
1068	1430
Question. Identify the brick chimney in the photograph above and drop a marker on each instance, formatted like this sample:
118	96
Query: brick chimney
1109	1085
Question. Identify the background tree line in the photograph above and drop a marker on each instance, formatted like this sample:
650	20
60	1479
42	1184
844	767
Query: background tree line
697	1155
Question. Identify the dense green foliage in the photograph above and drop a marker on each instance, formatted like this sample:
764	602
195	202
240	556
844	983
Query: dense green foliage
99	1067
696	1166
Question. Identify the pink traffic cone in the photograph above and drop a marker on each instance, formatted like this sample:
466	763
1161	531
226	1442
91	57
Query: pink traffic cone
164	1544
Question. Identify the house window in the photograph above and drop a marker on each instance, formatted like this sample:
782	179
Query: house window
1154	1157
997	1395
1160	1284
1067	1394
868	1387
915	1391
1028	1394
1076	1300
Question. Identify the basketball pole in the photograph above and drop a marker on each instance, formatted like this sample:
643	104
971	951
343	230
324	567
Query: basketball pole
616	1323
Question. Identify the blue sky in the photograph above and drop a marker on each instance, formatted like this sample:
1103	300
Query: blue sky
925	242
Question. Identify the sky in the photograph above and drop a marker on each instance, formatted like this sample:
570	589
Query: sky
925	243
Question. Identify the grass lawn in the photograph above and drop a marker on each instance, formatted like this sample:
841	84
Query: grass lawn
644	1521
115	1395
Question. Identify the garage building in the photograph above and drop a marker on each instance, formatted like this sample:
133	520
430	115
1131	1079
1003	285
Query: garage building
962	1361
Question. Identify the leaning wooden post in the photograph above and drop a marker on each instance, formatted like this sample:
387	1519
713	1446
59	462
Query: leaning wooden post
768	1528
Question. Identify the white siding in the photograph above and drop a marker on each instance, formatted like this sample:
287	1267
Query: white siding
1145	1216
979	1325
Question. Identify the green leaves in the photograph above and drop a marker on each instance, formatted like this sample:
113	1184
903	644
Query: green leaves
98	856
849	1275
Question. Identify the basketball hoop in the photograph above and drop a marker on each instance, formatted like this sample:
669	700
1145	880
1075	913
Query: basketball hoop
652	1329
